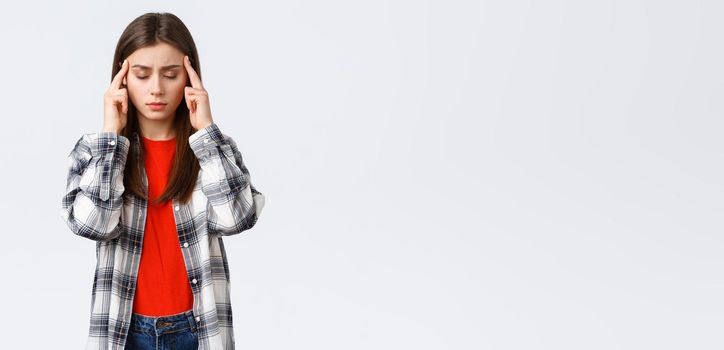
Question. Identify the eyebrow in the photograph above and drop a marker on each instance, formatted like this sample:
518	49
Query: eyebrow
162	68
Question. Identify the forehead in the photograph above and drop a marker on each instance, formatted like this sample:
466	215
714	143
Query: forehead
156	56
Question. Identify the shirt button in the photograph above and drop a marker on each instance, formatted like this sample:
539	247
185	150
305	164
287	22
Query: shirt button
186	244
112	142
193	281
176	208
206	140
198	318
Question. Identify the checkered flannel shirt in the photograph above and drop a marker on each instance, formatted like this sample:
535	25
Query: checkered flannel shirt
224	203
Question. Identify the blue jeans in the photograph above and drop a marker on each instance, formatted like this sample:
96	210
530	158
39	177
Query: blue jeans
163	332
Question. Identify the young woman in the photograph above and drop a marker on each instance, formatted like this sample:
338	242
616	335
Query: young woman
157	189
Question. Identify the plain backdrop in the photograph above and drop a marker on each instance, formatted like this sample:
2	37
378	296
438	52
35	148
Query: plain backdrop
438	174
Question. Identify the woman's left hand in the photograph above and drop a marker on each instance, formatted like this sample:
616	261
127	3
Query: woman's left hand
197	99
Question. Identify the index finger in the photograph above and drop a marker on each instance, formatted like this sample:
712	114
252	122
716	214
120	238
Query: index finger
195	80
116	83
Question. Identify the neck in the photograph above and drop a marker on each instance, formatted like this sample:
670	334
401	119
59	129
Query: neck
156	129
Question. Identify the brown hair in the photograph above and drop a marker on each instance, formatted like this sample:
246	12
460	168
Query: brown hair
147	30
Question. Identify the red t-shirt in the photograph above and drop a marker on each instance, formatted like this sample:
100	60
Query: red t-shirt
163	287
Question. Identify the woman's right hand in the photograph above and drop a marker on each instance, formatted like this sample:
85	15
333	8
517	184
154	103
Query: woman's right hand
115	102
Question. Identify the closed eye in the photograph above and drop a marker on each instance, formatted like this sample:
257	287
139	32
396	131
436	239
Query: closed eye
173	77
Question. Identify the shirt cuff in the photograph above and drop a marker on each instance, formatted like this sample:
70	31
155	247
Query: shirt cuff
106	142
204	142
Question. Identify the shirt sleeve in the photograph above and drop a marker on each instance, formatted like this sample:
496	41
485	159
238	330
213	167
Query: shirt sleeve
93	201
234	204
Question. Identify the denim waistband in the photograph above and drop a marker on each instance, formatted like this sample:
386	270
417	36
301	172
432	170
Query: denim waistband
163	324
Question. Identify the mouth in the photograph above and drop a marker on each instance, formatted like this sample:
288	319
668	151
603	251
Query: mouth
156	106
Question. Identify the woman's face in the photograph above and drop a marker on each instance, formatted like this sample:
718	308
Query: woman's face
156	74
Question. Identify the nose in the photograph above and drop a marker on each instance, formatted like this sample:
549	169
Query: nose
156	87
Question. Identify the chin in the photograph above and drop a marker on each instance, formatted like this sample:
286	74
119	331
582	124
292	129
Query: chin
157	115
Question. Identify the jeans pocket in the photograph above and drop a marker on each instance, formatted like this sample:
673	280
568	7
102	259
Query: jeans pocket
188	339
139	340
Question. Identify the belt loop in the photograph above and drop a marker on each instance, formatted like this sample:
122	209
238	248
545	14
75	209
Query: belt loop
192	321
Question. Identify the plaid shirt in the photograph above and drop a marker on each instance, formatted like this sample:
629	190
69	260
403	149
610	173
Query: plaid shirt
223	203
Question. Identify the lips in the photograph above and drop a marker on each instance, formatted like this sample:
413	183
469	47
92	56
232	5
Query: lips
156	106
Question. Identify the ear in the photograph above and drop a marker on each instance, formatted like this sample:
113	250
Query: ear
124	81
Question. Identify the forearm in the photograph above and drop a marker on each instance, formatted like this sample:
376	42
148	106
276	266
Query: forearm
234	205
92	203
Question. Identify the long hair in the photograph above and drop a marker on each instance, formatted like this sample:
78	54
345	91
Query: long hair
147	30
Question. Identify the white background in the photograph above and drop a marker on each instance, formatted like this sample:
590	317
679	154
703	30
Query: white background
438	175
